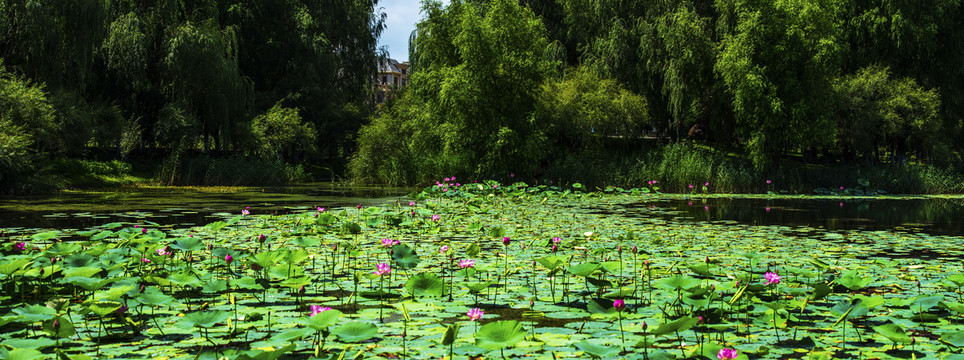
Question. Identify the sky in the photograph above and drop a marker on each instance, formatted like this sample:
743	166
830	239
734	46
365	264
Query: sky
402	16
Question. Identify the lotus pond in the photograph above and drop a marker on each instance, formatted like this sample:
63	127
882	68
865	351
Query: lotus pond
481	270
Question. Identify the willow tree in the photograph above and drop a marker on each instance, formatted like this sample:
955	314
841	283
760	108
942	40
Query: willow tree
201	65
776	62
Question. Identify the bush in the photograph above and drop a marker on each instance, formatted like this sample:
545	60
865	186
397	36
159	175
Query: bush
232	171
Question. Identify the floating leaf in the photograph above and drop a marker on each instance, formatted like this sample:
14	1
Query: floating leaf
425	284
499	334
354	332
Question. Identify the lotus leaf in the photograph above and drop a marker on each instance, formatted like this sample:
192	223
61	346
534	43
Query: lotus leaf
355	332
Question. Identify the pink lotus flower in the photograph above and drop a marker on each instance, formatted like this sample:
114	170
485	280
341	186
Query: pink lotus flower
707	184
726	354
390	242
382	269
20	246
245	212
228	259
443	249
320	209
768	182
475	314
466	263
146	260
318	309
619	304
771	278
506	241
436	217
359	206
555	248
262	238
691	186
411	203
556	240
163	251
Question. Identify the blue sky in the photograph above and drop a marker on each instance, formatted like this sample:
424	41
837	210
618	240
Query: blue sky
402	16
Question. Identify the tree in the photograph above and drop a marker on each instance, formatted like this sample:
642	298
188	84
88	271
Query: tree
776	63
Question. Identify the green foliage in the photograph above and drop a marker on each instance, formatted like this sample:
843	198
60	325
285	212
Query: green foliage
583	110
894	114
475	75
776	62
281	131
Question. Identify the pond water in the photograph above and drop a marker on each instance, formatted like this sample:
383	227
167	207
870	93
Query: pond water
179	206
932	215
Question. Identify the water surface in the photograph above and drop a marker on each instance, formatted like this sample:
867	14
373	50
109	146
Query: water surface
933	215
183	206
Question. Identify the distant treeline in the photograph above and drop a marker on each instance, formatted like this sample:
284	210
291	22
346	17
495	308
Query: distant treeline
530	87
504	86
274	80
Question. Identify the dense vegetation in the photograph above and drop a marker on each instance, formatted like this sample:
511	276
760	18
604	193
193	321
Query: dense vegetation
484	270
546	88
571	90
264	82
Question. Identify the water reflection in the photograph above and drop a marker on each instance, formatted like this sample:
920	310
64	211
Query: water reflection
179	206
941	216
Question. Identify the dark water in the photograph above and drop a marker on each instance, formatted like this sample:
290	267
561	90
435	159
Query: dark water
179	206
939	216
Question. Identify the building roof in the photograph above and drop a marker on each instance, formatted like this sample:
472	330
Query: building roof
390	65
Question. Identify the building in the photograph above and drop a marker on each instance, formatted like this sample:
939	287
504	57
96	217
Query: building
391	75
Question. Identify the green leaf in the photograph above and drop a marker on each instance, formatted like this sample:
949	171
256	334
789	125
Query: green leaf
678	282
681	324
425	284
323	320
354	332
894	333
404	256
584	269
153	296
551	262
954	338
451	333
499	334
21	354
598	351
204	319
188	244
64	329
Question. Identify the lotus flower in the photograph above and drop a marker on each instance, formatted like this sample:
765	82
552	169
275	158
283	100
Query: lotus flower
389	242
318	309
245	212
20	246
726	354
475	314
443	249
163	251
506	241
382	269
466	263
228	259
619	304
771	278
435	217
556	240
